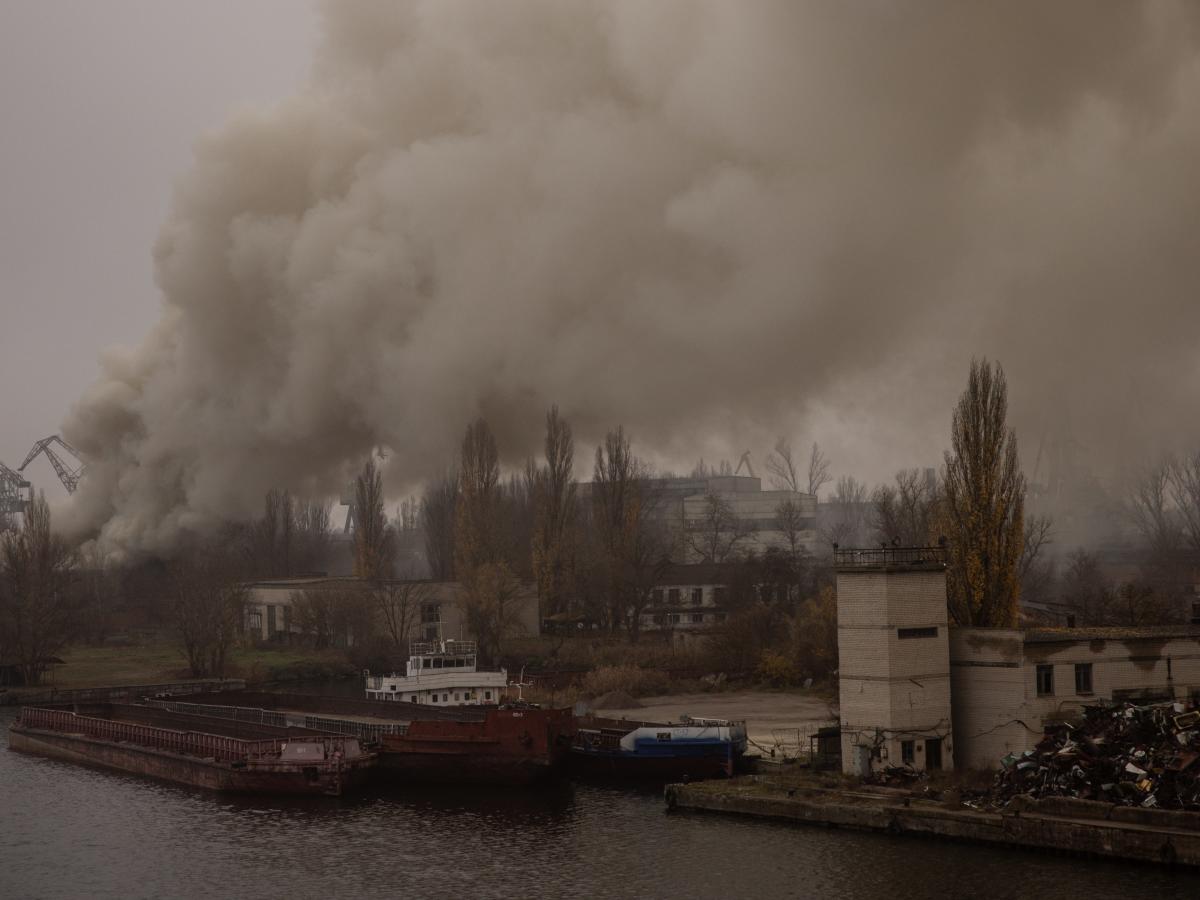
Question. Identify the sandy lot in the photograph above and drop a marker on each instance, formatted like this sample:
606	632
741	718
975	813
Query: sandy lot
769	715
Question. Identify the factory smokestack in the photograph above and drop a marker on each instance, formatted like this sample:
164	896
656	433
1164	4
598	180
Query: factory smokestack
679	216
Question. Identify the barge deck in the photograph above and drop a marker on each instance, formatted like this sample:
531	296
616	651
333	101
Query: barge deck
234	756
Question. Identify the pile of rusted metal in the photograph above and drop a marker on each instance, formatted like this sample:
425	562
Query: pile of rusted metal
1129	755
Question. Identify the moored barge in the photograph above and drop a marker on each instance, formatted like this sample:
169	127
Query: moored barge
514	743
691	750
221	757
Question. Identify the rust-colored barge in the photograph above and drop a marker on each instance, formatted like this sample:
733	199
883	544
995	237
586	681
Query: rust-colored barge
510	744
505	745
221	757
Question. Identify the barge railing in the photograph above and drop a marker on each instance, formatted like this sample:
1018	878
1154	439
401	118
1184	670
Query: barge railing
368	731
191	743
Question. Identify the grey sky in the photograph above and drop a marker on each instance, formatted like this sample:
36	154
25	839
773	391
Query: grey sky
101	102
708	222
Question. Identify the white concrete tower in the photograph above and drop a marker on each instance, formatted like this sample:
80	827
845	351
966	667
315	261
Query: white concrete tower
893	659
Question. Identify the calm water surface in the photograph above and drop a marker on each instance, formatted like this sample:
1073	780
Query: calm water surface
71	831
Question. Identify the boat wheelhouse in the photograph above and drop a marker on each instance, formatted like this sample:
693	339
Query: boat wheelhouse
442	673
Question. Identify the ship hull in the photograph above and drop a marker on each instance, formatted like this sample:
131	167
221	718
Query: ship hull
509	746
251	778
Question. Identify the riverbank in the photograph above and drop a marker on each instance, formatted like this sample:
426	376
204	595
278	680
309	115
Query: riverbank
783	718
156	658
1062	825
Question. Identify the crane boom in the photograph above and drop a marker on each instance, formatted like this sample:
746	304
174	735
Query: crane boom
67	474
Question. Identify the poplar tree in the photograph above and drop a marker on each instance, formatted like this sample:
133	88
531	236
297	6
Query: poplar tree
374	540
984	504
480	565
555	514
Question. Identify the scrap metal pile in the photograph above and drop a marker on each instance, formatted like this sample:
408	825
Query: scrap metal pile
1130	755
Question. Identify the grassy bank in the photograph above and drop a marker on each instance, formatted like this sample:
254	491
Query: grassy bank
158	659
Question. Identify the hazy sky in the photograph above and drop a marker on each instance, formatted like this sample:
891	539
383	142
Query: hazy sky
101	102
710	222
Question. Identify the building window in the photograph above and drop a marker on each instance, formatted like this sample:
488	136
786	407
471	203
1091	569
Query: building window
697	618
673	596
718	595
907	752
1045	681
658	595
674	618
697	596
907	633
1083	678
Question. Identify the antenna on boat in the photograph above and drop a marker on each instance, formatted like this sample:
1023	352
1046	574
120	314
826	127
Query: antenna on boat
520	684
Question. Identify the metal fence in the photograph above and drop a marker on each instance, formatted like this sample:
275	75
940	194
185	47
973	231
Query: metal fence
889	557
369	731
192	743
250	715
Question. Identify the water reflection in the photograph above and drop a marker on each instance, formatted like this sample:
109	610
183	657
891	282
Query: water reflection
71	831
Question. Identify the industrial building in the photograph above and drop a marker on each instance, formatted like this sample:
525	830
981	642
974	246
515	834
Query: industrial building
915	691
683	504
437	609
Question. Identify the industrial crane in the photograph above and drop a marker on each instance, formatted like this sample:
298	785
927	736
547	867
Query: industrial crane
14	493
745	461
69	475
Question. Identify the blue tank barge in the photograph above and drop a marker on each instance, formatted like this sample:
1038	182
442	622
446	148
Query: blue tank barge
690	750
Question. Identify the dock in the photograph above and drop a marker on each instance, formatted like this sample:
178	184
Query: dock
1063	825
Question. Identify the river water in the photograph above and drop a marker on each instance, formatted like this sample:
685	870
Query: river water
73	831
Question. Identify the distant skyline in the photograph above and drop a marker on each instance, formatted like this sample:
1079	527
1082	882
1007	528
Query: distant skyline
102	103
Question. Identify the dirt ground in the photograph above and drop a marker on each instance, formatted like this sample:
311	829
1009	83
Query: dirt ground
769	715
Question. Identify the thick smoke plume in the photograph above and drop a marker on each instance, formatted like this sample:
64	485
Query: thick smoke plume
693	218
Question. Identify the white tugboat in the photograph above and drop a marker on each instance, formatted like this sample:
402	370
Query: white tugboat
444	673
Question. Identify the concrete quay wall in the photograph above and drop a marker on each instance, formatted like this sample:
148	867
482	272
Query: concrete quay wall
1076	828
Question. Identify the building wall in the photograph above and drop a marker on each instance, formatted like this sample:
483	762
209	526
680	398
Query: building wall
997	707
894	691
446	618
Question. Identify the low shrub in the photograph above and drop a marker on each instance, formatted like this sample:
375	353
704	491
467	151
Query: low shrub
632	680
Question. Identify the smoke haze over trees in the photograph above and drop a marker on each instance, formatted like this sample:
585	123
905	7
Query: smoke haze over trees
696	218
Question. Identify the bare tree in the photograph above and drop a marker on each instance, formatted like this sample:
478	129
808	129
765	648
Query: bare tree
437	516
907	512
818	470
632	542
37	615
1149	507
1035	572
311	535
781	463
481	557
334	617
477	520
556	513
985	504
1085	589
208	606
374	540
716	534
399	607
792	523
846	513
97	586
1184	474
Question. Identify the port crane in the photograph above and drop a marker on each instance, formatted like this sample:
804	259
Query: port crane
68	474
14	494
